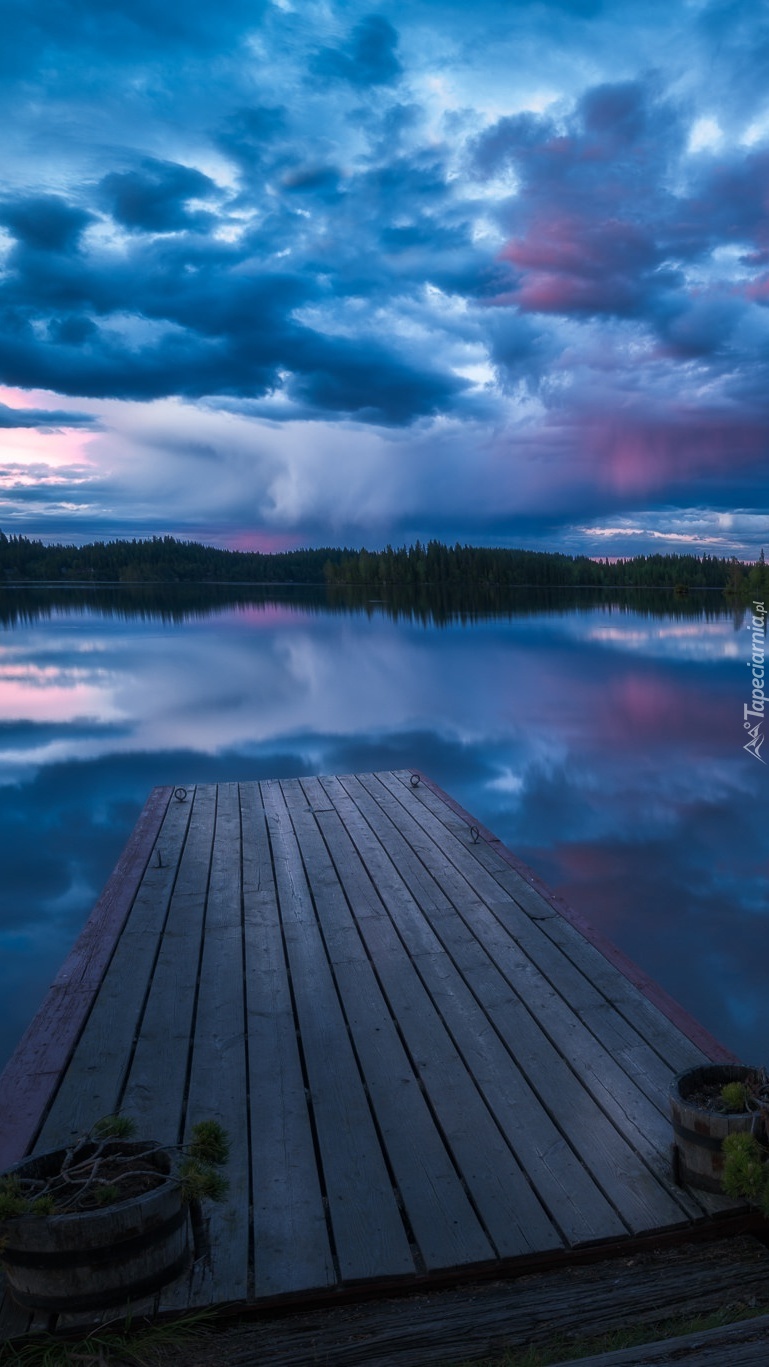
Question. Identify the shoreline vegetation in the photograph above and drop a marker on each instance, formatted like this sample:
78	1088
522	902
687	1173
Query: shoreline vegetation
167	560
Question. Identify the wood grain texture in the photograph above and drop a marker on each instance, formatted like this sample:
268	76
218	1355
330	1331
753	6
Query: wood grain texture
93	1082
743	1344
653	991
558	1056
292	1251
444	1225
370	1237
425	1068
33	1074
154	1091
511	1211
217	1086
480	1320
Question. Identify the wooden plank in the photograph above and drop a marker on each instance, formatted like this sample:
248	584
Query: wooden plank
31	1078
640	1194
613	1009
744	1344
566	1187
92	1085
663	1021
368	1230
482	1320
155	1087
511	1212
635	1064
292	1251
683	1021
218	1076
630	1084
583	973
421	1063
441	1218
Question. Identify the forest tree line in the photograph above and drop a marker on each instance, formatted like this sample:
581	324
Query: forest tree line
166	559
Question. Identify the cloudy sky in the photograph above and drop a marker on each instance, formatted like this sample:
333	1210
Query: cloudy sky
304	272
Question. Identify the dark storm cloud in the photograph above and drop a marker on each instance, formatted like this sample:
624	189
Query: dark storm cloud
155	197
43	418
220	330
360	377
64	36
45	223
176	310
368	58
298	214
247	130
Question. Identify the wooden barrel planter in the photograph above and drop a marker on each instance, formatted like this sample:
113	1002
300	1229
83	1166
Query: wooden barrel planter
95	1259
700	1132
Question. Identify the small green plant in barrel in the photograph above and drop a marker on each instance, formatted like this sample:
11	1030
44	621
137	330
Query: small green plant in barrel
96	1171
746	1170
108	1219
746	1159
735	1096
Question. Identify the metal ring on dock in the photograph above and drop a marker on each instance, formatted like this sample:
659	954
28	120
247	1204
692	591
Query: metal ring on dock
415	780
180	794
475	834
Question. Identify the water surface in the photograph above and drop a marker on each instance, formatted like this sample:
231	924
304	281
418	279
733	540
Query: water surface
600	736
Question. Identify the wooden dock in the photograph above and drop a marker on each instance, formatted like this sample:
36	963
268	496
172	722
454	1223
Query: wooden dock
428	1067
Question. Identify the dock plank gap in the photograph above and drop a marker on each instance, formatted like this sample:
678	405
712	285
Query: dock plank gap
429	1067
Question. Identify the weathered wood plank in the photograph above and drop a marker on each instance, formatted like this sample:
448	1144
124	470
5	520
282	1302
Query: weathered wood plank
619	1053
442	1220
218	1077
744	1344
623	1081
567	1189
641	1195
422	1063
368	1230
482	1320
155	1087
632	990
32	1076
291	1242
606	1007
516	1220
92	1085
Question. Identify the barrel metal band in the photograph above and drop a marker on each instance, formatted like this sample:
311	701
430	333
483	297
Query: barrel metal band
120	1295
97	1257
704	1141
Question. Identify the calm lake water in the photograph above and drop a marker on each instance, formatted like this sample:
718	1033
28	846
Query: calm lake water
601	738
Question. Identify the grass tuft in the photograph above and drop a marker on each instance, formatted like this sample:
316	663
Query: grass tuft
124	1347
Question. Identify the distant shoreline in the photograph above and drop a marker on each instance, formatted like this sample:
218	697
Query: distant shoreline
439	567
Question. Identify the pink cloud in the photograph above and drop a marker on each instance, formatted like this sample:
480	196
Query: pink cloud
637	454
572	265
758	290
265	543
